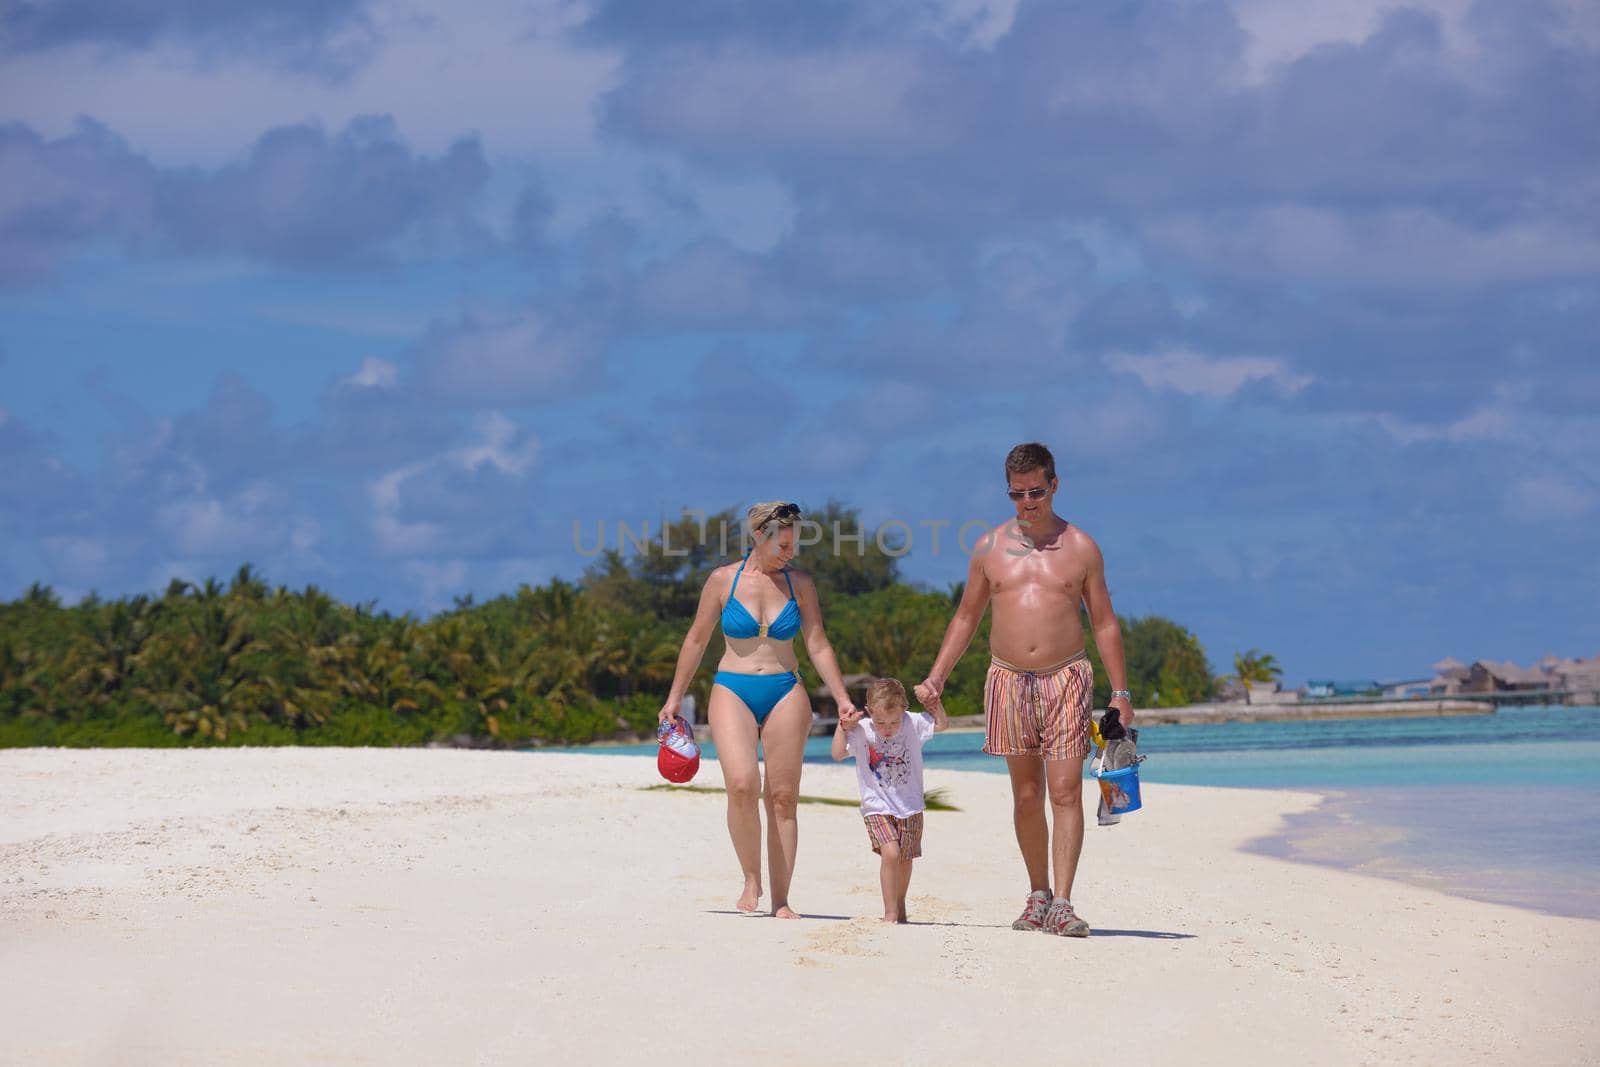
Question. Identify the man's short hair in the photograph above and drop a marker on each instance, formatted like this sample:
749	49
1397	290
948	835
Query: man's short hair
1030	457
886	691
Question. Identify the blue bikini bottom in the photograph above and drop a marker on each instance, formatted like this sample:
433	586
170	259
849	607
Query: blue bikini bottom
760	692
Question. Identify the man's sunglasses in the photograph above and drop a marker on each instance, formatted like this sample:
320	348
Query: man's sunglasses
1027	494
786	511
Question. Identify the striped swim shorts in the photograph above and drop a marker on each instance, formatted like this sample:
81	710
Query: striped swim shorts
1043	712
905	833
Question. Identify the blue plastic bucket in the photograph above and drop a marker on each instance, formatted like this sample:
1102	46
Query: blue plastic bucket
1120	789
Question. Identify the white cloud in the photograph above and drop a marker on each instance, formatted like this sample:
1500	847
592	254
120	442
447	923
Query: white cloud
751	214
830	98
1550	496
1493	421
1109	426
501	444
385	491
1281	33
712	283
304	532
892	404
1196	375
978	23
374	374
837	454
1403	248
397	538
79	560
1484	424
149	457
202	526
250	522
437	581
493	362
505	63
341	312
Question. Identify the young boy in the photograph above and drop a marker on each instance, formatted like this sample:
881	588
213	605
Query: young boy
888	751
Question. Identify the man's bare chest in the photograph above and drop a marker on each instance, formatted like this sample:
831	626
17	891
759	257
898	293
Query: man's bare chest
1049	571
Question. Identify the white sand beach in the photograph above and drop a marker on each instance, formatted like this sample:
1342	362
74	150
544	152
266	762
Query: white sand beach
410	906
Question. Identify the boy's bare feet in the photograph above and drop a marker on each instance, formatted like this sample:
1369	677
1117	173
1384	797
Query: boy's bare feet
785	912
750	899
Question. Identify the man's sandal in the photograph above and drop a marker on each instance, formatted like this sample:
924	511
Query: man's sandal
1062	920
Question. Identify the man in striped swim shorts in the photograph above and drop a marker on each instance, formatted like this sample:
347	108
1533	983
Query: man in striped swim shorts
1041	712
1038	570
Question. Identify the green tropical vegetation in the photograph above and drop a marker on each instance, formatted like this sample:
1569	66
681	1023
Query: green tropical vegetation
1254	666
246	663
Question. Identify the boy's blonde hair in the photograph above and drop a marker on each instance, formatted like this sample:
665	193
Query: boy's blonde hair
887	691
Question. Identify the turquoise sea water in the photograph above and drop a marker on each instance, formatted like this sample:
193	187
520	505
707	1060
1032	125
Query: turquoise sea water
1502	807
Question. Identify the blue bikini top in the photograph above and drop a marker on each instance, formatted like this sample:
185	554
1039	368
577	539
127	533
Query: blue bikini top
738	622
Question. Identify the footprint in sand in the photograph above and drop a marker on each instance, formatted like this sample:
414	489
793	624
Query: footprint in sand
846	939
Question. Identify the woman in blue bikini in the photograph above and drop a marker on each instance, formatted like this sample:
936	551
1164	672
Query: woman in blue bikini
758	695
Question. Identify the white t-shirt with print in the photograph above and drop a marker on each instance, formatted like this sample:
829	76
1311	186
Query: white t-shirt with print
889	770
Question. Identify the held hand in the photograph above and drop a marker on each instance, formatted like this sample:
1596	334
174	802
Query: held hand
849	715
669	710
927	693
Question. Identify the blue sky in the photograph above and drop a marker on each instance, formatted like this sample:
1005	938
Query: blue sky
384	296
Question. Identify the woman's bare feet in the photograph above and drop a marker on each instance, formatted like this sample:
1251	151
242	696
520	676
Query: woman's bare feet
785	912
750	899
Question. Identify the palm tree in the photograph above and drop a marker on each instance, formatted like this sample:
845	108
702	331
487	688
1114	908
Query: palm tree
204	673
248	584
309	637
566	648
642	655
1255	666
471	671
24	676
96	667
41	597
897	635
381	673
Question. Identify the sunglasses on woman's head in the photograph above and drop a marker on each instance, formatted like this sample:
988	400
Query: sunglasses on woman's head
786	511
1027	494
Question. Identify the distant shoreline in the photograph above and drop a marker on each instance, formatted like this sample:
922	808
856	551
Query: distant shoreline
1308	712
1194	714
1191	714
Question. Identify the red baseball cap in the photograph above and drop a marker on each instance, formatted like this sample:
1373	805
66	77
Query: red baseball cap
678	757
676	767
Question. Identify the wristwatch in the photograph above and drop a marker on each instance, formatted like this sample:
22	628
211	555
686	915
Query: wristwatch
1115	693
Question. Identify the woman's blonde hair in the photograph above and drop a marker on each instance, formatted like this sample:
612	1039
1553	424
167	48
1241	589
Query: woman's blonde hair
771	515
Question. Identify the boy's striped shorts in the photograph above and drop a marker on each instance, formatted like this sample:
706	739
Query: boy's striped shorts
904	833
